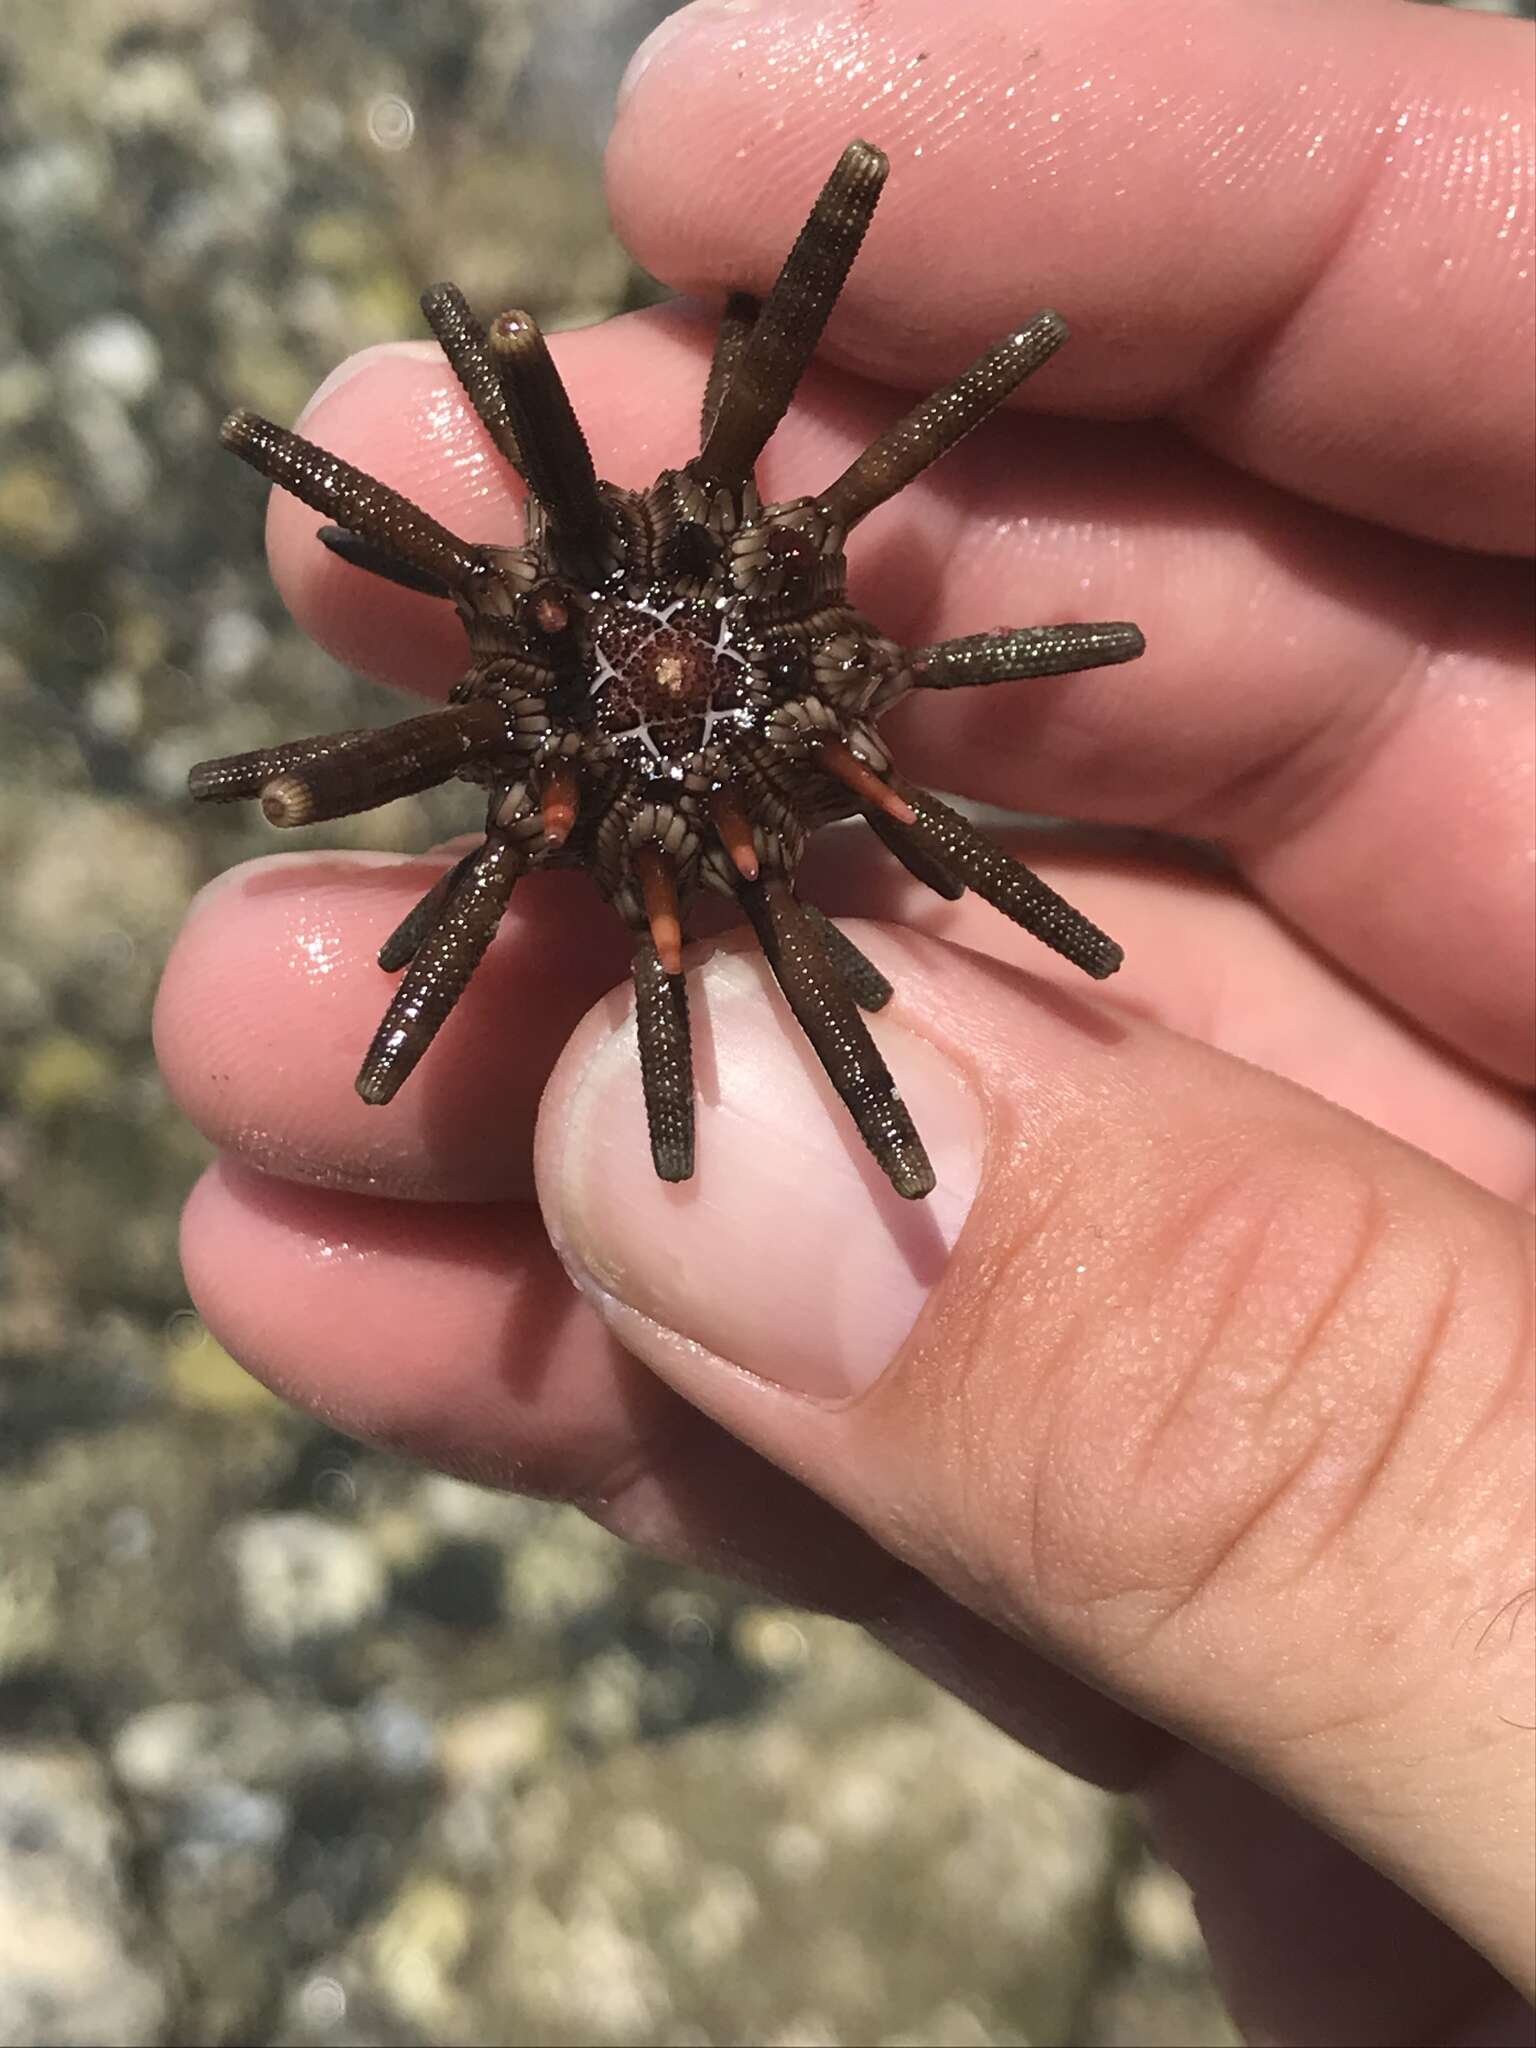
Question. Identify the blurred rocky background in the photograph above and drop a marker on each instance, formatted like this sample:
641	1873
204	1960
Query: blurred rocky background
298	1744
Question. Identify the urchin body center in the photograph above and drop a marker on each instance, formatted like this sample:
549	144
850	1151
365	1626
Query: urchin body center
667	679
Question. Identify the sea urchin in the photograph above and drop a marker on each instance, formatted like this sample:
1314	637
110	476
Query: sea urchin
670	688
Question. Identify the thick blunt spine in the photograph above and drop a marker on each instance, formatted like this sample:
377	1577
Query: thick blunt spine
356	501
865	983
793	316
1008	885
918	853
666	1061
554	456
467	346
362	554
406	940
931	429
1023	651
736	324
440	972
235	778
376	767
829	1017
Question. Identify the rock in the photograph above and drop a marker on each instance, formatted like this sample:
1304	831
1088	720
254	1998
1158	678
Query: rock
563	1571
117	355
183	1747
416	1951
39	515
496	1743
31	1623
201	1374
76	1966
95	891
62	1073
1158	1916
302	1579
395	1739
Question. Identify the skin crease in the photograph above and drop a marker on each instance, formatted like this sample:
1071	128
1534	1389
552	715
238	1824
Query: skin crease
1207	1459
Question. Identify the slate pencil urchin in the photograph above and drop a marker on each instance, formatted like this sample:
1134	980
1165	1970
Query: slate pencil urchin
670	688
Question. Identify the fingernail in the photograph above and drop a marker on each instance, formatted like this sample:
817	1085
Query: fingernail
788	1255
676	29
404	351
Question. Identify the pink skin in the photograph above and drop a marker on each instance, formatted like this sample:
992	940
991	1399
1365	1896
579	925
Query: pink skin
1347	705
1294	232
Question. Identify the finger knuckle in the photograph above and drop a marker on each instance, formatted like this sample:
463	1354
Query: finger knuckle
1286	1368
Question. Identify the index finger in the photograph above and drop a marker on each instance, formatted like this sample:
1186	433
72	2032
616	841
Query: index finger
1303	232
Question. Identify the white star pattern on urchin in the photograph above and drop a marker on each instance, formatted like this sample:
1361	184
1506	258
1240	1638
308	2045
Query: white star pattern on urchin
721	650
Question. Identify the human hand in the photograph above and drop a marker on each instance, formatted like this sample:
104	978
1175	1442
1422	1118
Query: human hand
1185	1428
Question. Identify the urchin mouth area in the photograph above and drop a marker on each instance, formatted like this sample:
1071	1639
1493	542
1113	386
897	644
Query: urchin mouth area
671	689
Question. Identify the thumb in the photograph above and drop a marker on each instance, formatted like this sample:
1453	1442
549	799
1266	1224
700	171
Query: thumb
1214	1392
